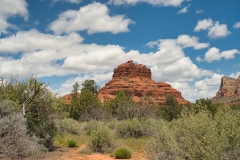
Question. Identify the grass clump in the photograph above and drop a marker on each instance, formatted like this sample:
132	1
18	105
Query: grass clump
101	140
122	153
72	144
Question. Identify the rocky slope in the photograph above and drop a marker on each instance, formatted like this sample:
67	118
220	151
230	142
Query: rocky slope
137	79
229	91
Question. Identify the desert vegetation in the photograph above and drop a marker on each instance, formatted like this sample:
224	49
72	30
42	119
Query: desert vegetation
119	127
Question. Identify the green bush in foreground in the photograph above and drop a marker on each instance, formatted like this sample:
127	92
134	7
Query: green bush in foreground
101	140
72	144
199	136
122	153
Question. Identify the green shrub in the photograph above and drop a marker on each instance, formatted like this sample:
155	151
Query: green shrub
72	144
134	128
122	153
199	136
101	140
15	142
68	125
92	125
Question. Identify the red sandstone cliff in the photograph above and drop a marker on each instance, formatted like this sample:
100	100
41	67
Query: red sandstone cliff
229	91
137	79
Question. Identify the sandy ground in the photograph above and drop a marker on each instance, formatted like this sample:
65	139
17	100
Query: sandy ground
74	154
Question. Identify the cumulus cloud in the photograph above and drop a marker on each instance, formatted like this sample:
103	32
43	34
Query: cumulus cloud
94	18
184	10
214	54
43	55
184	41
29	41
174	3
218	30
203	25
236	25
11	8
187	41
215	30
100	79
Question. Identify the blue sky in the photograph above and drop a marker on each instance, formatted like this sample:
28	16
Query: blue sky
189	44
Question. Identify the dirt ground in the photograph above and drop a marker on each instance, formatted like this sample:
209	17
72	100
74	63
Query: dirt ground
74	154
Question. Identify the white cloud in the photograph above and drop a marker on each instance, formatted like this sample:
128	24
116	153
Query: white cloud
44	55
184	9
174	3
184	41
182	70
218	30
215	30
11	8
187	41
199	59
29	41
236	25
203	25
214	54
67	86
94	18
204	88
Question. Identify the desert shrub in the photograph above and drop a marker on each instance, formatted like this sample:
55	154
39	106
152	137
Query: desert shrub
68	125
199	136
15	143
92	125
72	144
101	140
134	128
64	139
122	153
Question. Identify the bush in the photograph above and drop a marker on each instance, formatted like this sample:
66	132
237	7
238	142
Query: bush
72	144
122	153
199	136
15	143
134	128
91	126
101	140
68	125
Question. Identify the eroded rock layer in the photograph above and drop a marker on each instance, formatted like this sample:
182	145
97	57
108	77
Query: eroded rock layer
229	91
137	79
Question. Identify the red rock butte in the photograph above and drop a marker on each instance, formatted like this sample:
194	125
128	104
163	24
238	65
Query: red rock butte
229	91
137	79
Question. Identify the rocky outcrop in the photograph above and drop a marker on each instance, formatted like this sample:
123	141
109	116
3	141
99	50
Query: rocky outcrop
137	79
229	91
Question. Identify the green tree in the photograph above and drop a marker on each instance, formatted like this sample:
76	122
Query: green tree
206	104
122	106
171	110
91	86
35	100
86	106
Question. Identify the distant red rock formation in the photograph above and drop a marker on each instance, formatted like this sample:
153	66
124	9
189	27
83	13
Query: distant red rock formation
67	98
229	91
137	79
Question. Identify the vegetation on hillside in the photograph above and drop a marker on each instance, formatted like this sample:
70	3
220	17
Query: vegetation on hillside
119	126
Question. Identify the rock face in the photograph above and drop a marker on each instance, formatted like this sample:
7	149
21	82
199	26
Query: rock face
229	91
137	79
